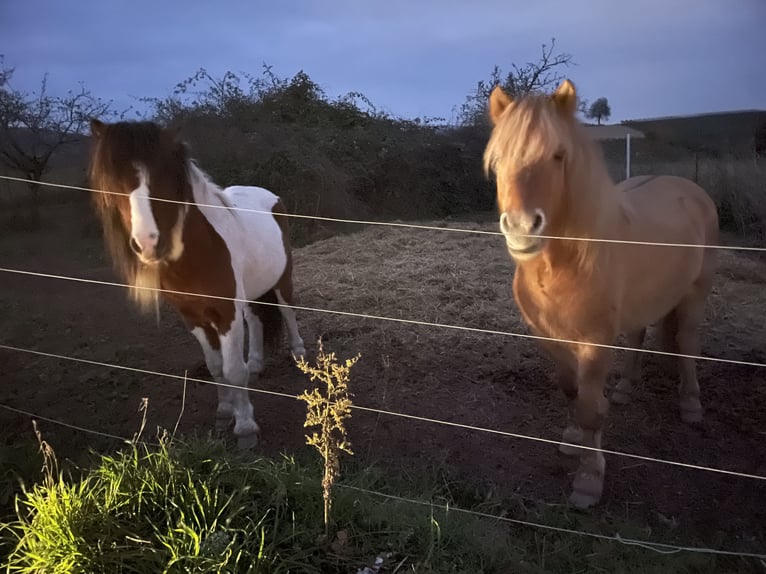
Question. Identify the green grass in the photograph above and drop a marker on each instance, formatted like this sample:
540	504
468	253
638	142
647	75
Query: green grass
194	506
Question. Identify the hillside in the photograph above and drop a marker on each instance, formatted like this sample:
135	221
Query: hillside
731	132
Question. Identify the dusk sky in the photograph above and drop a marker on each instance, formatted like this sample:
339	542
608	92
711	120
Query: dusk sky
410	57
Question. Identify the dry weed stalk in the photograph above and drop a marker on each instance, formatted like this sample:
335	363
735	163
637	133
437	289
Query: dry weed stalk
329	412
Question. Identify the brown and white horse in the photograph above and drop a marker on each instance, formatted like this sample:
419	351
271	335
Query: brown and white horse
552	182
197	243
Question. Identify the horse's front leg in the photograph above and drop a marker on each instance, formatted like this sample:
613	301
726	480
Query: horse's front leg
591	407
572	435
566	378
207	337
236	373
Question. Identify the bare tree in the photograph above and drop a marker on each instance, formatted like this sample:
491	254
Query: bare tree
33	127
520	80
599	110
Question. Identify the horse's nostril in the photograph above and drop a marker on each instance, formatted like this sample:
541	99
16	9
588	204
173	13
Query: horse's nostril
135	246
504	227
537	224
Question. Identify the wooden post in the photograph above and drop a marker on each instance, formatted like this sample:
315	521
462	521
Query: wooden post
627	155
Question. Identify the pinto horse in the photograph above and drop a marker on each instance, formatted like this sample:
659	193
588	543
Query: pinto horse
168	227
555	197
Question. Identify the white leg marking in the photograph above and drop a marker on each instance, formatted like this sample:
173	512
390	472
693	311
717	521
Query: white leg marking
235	373
293	336
255	353
144	227
214	362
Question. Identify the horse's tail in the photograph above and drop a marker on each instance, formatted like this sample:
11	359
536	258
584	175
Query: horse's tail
271	319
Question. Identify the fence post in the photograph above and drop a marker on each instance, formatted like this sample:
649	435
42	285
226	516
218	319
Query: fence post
627	155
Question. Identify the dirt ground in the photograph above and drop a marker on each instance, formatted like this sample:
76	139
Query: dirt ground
491	381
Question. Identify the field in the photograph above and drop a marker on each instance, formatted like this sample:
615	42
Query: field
491	381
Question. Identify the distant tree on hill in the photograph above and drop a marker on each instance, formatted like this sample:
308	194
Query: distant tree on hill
34	126
520	80
599	110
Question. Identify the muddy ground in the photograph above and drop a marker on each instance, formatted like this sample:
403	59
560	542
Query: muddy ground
485	380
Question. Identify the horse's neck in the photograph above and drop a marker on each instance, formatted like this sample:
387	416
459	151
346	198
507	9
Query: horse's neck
205	191
212	204
595	216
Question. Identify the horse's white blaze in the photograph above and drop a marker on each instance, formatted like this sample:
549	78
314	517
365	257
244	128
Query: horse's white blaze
143	226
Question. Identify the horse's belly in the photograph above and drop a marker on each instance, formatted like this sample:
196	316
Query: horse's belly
263	261
647	301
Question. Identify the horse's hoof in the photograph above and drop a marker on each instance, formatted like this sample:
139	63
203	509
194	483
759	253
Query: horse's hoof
691	410
586	489
691	416
248	441
583	500
298	354
621	393
620	398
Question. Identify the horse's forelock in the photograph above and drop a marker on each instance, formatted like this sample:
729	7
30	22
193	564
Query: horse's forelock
530	131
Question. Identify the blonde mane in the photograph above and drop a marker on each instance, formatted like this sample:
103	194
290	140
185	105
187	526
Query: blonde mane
531	129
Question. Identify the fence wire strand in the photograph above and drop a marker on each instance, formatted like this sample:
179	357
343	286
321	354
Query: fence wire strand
392	223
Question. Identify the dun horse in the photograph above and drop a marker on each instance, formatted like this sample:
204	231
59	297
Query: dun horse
552	182
197	243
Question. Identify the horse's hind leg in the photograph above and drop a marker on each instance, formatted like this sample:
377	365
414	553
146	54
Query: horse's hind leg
294	339
688	317
255	348
631	375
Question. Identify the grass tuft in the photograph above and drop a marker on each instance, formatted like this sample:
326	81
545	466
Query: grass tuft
192	506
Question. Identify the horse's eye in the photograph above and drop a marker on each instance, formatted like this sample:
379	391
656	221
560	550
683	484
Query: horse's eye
559	155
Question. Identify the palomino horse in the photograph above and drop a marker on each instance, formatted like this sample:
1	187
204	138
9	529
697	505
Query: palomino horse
196	243
552	183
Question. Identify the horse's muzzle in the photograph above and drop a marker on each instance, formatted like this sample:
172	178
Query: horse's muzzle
522	232
151	255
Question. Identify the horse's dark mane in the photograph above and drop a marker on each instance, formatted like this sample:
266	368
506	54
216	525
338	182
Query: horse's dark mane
118	149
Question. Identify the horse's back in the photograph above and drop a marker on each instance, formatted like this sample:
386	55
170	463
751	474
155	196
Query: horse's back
251	197
671	209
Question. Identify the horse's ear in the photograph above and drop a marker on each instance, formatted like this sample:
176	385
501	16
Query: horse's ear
498	101
97	127
175	133
565	98
176	136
